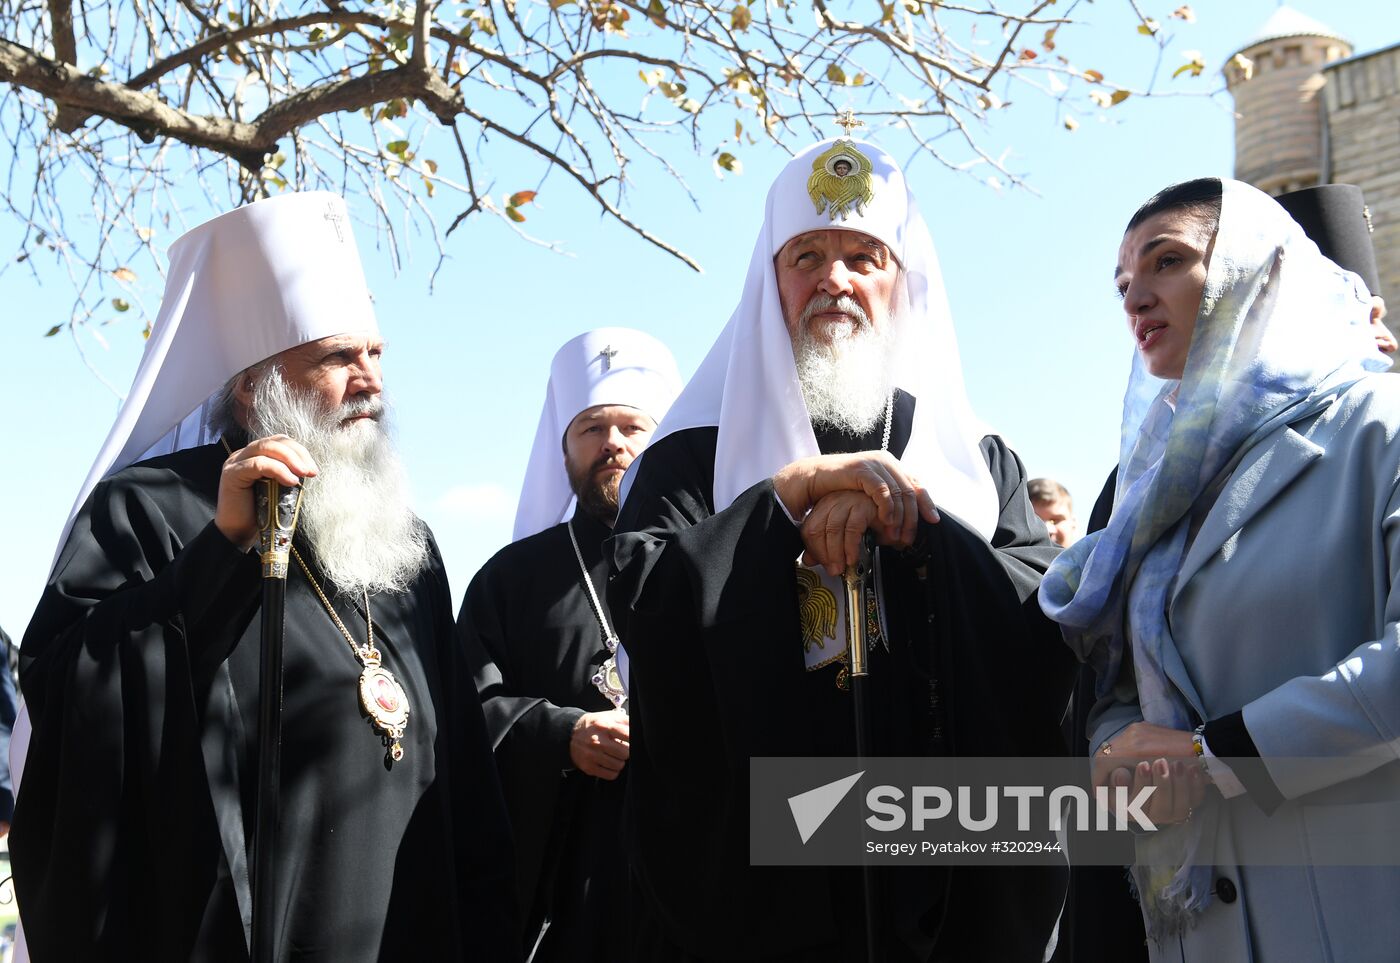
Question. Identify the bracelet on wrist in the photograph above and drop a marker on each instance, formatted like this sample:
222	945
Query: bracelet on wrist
1198	745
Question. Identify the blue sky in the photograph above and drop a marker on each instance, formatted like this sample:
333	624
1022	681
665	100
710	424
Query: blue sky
1043	345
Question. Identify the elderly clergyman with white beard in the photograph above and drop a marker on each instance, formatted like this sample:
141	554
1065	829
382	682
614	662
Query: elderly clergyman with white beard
832	403
140	667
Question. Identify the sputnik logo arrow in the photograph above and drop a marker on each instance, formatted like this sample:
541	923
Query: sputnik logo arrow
810	808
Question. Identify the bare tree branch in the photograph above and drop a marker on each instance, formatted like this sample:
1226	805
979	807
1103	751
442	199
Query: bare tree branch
144	113
65	50
246	98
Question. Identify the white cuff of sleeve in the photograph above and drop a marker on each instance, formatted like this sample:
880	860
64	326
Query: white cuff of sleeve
796	522
1224	778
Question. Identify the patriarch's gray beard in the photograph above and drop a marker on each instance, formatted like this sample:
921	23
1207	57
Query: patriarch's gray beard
845	382
356	512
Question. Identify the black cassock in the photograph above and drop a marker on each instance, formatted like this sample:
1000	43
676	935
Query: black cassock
534	643
707	609
140	669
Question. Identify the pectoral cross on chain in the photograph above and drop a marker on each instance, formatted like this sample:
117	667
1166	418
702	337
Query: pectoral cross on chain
335	217
607	354
847	121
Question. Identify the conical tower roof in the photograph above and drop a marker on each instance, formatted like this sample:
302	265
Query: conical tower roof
1287	22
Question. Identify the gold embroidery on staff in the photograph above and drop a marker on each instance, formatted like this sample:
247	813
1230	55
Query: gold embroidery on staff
816	610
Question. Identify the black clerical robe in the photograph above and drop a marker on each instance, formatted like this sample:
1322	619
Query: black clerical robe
706	604
534	643
140	667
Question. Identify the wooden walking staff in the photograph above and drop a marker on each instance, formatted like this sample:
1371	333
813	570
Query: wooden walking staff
277	508
858	577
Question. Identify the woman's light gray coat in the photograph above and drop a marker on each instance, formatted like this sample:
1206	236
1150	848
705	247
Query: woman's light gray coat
1286	605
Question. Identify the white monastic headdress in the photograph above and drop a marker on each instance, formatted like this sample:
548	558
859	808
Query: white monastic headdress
242	287
608	366
747	385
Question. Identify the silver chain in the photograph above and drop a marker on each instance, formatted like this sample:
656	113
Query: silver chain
889	421
609	638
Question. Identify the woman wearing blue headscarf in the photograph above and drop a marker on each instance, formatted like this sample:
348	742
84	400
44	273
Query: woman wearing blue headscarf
1240	610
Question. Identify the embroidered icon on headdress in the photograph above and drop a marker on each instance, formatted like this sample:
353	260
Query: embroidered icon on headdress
841	177
841	181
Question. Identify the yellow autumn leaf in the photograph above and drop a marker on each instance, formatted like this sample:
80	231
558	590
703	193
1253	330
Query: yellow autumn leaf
741	17
739	80
835	74
727	161
1195	63
514	215
125	275
1148	27
1093	76
1118	97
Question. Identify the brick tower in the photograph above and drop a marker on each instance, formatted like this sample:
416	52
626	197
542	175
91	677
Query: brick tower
1280	138
1312	112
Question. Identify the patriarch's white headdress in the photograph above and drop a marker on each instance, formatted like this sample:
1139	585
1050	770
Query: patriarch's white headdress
748	386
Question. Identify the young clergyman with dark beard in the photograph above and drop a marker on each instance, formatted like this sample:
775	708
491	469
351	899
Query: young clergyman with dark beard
132	837
538	630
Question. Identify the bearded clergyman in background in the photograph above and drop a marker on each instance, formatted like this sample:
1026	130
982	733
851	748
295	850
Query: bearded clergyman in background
537	628
132	836
832	404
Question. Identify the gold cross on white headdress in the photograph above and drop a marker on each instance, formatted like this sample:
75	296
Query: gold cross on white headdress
847	121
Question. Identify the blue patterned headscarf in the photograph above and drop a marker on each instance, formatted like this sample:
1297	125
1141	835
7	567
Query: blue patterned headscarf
1280	330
